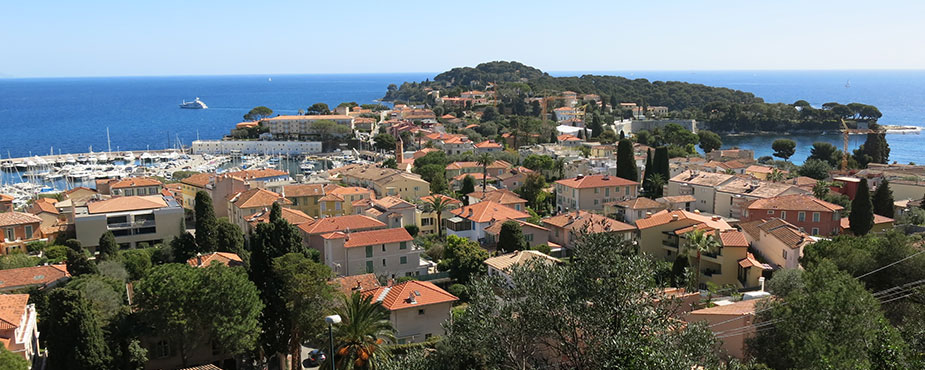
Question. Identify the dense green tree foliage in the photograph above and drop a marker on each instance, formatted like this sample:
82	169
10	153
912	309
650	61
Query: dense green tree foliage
78	264
468	185
12	361
815	168
861	217
462	258
874	150
318	109
206	223
302	284
709	141
626	161
73	336
359	340
883	200
385	142
258	113
784	148
825	152
108	247
230	238
511	237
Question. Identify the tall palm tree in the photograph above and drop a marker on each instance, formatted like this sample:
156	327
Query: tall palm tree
484	160
360	337
776	175
438	204
699	242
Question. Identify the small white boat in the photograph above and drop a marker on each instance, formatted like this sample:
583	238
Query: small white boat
195	104
129	157
70	159
103	158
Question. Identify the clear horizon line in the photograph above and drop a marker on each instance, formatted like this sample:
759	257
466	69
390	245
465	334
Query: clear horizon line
551	72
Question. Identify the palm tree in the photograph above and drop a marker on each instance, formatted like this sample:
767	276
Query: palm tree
484	160
699	242
362	333
776	175
438	204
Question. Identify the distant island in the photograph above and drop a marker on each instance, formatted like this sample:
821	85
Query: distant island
721	110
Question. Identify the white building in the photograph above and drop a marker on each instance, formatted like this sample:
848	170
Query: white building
255	147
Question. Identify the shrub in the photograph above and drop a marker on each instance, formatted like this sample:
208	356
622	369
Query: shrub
36	247
56	253
460	291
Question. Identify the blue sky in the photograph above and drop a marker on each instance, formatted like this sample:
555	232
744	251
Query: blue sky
165	37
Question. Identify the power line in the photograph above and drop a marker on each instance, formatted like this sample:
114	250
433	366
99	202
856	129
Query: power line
894	263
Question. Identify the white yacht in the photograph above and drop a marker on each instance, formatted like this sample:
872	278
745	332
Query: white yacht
195	104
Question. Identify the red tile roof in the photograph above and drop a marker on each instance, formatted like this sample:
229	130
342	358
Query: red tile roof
257	174
845	222
374	237
796	202
293	216
356	283
122	204
487	144
583	221
44	205
487	211
224	258
199	180
448	200
664	217
500	196
32	276
410	294
340	223
131	182
732	238
256	198
595	181
17	218
12	308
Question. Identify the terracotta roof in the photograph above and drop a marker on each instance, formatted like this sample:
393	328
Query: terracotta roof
303	190
331	198
475	176
44	205
802	181
737	308
596	181
390	202
760	169
505	261
202	367
131	182
487	144
500	196
376	237
12	308
702	178
782	230
331	224
350	190
487	211
309	117
796	202
732	238
567	137
123	204
423	152
494	165
356	283
756	188
410	294
256	198
6	198
639	203
206	260
30	276
293	216
257	174
750	261
583	221
199	180
845	223
17	218
664	217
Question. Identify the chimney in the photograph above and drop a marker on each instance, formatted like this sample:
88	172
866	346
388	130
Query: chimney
716	218
674	217
357	287
579	177
199	259
761	281
411	298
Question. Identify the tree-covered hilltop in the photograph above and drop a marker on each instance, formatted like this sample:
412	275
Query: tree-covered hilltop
720	109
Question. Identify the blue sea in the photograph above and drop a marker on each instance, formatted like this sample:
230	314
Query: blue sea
69	115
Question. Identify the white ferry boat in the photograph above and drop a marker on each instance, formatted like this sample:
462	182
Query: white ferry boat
195	104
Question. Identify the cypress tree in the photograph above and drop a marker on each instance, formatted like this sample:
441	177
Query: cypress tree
74	339
861	217
107	247
78	264
626	162
206	224
883	200
511	237
649	171
661	162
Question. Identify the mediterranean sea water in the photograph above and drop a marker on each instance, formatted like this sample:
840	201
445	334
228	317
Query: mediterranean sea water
70	115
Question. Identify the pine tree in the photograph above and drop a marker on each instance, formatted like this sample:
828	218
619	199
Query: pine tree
883	200
78	264
107	247
74	338
626	162
861	217
206	224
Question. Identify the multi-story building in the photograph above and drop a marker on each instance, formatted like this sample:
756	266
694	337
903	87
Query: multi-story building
487	146
52	219
18	330
300	127
129	186
385	252
566	228
192	185
589	193
149	219
6	203
700	185
386	181
777	241
501	196
243	205
312	231
19	229
293	216
742	155
806	212
305	197
470	221
663	236
393	211
427	218
514	178
732	197
353	198
631	210
417	309
534	235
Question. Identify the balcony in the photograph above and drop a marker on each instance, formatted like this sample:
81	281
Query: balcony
670	244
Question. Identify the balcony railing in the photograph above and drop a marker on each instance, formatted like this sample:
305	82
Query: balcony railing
127	225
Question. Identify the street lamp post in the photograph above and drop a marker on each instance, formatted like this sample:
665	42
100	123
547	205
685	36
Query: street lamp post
332	320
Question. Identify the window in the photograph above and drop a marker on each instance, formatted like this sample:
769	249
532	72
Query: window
595	202
383	247
421	311
693	190
785	254
596	190
770	211
606	192
28	232
783	215
369	267
323	206
816	216
403	260
801	216
815	231
162	349
8	234
383	262
369	251
403	245
337	206
528	237
627	190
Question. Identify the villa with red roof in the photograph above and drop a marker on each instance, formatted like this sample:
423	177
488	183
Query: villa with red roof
566	228
312	231
568	140
18	230
6	203
417	309
664	236
243	205
806	212
384	252
222	258
18	330
470	221
589	193
487	146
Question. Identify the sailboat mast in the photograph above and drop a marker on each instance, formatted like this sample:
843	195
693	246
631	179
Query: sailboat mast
108	142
